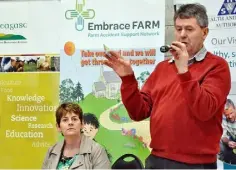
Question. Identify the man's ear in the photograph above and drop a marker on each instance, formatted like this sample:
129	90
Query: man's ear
205	32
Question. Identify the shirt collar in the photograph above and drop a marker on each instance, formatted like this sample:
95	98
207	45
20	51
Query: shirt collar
85	146
198	57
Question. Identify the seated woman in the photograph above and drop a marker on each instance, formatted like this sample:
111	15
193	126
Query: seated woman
76	151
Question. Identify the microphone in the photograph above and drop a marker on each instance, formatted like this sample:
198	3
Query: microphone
165	48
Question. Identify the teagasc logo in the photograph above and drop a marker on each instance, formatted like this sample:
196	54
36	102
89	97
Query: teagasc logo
228	8
11	37
80	15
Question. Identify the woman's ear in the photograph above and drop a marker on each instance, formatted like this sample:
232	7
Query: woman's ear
58	127
82	126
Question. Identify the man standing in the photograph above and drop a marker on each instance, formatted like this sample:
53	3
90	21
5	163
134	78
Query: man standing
184	97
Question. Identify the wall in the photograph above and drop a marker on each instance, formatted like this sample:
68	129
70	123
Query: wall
169	32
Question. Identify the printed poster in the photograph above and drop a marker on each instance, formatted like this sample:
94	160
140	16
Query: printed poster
29	81
135	29
222	42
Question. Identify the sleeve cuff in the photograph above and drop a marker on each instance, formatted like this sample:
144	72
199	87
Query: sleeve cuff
129	79
185	77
